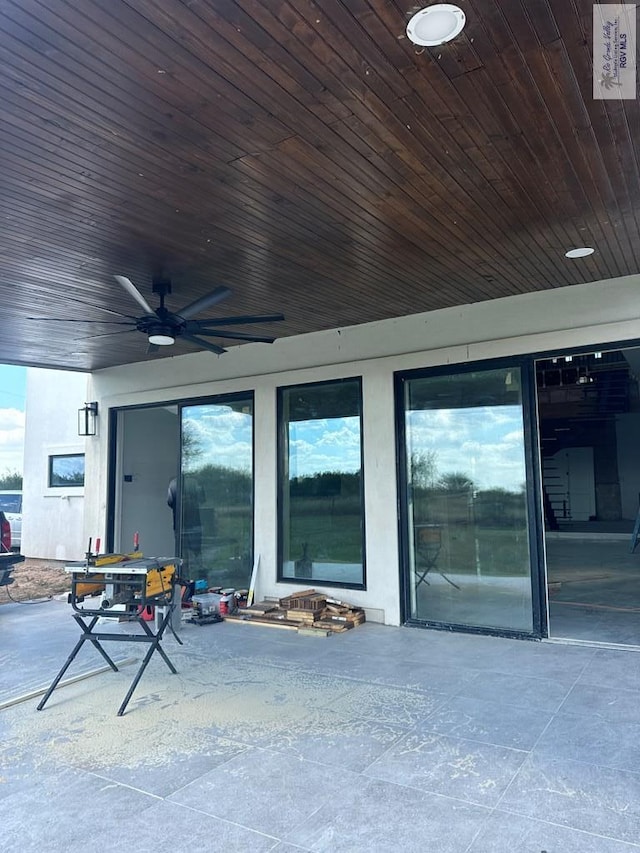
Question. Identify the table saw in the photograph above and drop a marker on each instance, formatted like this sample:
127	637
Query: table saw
117	586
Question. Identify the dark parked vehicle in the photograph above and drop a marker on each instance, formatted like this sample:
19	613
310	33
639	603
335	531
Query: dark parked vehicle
8	558
5	533
11	506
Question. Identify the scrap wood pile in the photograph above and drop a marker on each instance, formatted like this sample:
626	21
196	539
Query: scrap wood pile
307	610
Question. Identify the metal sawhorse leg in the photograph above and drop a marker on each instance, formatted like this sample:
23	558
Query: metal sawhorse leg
95	638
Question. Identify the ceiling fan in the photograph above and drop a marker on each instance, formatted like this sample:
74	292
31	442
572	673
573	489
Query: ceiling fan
162	326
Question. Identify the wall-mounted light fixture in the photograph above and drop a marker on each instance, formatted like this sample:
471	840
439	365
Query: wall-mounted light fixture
88	419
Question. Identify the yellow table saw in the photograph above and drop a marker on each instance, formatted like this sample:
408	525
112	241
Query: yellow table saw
113	586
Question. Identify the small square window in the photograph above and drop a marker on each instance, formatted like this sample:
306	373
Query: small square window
66	470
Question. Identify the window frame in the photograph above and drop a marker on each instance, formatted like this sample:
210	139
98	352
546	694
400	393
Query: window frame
282	465
50	472
218	400
525	363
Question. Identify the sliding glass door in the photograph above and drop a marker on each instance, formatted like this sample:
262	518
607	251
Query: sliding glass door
214	508
464	500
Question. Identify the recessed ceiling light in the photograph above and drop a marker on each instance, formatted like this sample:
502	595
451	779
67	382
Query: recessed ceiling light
581	252
436	24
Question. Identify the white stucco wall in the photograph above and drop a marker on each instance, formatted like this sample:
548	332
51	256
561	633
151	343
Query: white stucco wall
582	315
52	519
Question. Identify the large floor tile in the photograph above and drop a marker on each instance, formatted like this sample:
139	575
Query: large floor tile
464	769
377	816
267	792
594	799
35	642
269	704
421	675
489	722
329	738
608	703
539	660
346	664
509	833
391	704
593	740
617	670
62	810
18	770
166	729
179	769
166	827
544	694
383	640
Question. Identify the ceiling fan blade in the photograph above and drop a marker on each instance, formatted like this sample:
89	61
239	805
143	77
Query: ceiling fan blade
106	335
75	320
95	307
132	290
212	298
233	321
202	343
236	336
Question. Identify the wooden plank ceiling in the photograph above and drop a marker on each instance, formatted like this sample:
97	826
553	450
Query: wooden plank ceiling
304	154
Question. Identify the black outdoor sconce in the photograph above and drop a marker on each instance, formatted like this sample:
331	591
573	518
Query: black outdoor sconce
88	419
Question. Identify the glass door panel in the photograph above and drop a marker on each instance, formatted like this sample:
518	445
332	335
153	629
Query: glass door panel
466	508
589	422
216	495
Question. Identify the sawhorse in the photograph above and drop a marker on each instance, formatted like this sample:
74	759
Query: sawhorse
96	637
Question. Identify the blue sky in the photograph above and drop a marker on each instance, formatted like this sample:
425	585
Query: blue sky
223	437
13	382
326	444
486	443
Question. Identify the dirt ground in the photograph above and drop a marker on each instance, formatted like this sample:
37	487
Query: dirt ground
35	579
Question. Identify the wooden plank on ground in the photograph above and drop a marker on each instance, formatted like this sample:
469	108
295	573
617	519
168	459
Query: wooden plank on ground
260	608
264	622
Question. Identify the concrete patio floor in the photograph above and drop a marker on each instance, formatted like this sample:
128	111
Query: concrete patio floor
379	739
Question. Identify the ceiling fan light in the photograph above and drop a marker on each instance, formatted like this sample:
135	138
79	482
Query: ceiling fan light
161	340
436	25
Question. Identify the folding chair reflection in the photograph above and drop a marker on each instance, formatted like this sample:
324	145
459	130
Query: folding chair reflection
428	544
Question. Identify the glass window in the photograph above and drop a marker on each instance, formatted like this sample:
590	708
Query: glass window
465	500
66	470
215	505
321	495
10	502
